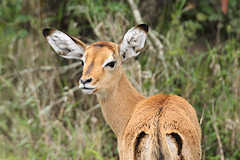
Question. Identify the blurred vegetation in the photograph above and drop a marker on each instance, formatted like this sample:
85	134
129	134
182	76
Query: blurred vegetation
43	115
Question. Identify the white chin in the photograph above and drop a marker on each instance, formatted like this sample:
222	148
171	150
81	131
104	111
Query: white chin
88	91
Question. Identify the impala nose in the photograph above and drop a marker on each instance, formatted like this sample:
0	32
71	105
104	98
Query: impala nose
89	80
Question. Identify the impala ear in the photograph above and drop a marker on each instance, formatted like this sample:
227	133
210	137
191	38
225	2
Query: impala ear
66	46
133	41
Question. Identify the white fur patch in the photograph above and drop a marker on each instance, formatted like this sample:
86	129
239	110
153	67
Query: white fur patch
132	43
147	148
172	146
110	59
64	45
83	59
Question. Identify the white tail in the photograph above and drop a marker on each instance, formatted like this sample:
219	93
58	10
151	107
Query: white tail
158	127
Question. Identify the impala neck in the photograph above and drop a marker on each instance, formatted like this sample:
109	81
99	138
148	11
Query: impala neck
118	105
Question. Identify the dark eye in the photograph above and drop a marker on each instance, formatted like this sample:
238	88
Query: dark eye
111	64
82	62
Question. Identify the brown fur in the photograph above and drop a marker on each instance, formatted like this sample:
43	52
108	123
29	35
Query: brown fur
171	114
138	121
78	42
105	44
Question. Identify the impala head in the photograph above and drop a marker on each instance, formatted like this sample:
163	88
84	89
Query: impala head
102	61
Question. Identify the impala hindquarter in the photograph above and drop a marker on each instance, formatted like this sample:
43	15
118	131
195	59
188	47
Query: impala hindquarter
161	130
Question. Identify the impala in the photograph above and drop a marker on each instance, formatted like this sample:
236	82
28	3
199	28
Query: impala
158	127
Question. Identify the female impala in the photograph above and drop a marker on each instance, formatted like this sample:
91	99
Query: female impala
159	127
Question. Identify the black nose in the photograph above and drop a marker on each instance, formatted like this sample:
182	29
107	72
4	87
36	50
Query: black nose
86	81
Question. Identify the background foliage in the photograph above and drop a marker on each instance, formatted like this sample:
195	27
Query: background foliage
43	115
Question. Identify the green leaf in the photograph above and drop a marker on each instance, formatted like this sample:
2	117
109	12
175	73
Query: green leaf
214	17
201	16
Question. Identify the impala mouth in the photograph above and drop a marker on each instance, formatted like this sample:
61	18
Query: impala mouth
87	90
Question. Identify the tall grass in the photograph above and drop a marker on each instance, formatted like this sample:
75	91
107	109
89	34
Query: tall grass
43	114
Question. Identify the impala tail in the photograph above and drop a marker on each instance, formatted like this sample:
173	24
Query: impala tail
154	147
168	147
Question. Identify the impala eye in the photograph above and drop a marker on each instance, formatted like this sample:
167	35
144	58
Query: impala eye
82	62
111	64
